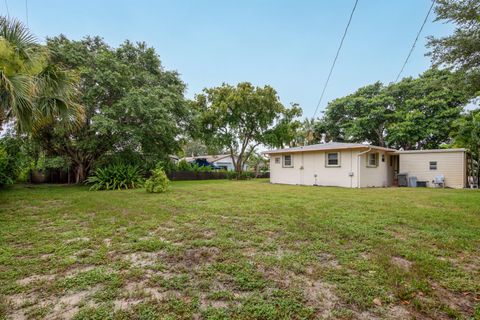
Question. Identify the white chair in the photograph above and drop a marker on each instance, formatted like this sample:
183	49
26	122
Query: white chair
439	181
472	182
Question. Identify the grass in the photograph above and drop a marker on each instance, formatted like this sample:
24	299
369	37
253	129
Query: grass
239	249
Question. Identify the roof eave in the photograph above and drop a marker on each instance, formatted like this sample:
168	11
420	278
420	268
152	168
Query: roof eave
328	149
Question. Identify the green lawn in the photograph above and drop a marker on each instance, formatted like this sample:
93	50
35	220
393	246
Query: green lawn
239	249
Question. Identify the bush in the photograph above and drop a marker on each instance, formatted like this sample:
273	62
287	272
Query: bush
116	177
5	176
12	160
158	182
197	168
246	175
183	165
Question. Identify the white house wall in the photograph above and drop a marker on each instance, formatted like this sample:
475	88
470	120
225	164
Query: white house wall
375	176
449	164
308	164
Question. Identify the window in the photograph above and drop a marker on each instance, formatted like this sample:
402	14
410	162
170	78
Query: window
372	160
287	161
277	160
383	158
333	159
433	165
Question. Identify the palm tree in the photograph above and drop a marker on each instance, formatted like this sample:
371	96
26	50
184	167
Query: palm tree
32	89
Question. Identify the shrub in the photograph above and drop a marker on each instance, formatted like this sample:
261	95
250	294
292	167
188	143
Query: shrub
183	165
198	168
158	182
116	177
5	175
167	166
12	160
246	175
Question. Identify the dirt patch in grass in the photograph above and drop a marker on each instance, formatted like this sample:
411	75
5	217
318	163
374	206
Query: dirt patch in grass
318	294
462	302
328	260
35	278
78	269
192	257
402	263
122	304
142	259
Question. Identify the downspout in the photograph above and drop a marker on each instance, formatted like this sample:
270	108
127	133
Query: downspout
358	165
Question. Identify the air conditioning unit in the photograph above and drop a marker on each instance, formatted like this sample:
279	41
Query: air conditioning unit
402	179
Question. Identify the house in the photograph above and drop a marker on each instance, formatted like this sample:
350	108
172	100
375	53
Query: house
356	165
221	161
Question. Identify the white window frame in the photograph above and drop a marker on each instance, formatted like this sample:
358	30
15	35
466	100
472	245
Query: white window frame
332	165
277	160
291	161
376	156
430	165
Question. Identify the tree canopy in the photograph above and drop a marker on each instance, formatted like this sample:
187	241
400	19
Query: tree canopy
240	118
460	50
33	88
132	105
413	113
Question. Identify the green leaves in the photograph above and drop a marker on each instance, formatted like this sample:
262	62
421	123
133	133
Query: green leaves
116	177
158	182
132	105
33	90
413	113
240	118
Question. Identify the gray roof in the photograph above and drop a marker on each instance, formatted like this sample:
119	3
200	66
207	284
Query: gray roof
431	150
327	146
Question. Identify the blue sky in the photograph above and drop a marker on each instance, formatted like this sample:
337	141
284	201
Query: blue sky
286	44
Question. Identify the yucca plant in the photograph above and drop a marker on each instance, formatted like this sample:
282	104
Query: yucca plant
116	177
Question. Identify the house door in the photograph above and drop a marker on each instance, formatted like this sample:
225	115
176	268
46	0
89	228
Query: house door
393	169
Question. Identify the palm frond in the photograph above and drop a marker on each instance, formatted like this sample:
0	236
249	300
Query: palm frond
19	36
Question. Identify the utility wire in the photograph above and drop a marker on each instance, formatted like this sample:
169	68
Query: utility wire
415	42
6	6
335	60
26	10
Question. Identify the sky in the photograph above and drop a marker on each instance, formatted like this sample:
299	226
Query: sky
289	45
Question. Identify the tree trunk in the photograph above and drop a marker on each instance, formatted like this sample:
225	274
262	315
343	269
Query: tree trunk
80	172
239	167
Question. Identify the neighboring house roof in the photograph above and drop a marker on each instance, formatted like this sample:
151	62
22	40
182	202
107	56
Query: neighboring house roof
431	151
209	158
327	146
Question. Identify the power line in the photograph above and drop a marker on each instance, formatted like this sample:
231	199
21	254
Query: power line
26	10
415	42
335	60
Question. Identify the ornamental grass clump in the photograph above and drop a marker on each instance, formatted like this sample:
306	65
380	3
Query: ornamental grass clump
158	182
116	177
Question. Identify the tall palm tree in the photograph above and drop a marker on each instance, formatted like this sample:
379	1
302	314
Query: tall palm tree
32	89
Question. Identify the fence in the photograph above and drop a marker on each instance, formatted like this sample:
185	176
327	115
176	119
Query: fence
51	176
62	176
190	175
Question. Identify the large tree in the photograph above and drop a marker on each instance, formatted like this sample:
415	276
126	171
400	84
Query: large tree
240	118
414	113
132	104
33	88
466	134
460	50
361	116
